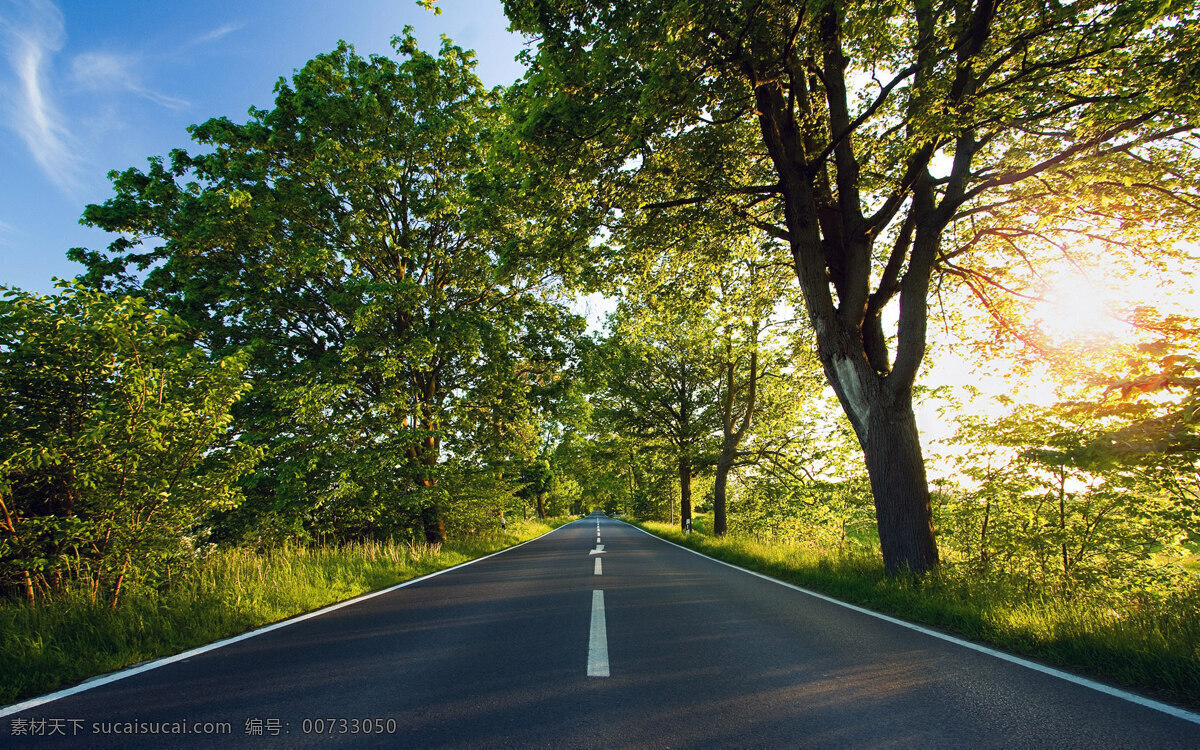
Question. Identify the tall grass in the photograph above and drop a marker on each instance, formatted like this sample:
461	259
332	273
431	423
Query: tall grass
1151	644
70	638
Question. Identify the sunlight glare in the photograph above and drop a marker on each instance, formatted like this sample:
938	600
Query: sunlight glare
1073	308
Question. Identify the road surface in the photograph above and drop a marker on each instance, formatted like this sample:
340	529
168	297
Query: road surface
594	636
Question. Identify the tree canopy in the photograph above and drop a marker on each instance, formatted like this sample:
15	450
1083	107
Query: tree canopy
356	239
350	316
878	127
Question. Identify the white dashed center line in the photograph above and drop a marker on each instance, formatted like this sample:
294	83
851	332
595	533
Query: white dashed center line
597	665
599	566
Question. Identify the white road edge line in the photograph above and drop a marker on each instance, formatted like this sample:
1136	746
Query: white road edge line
599	569
111	677
597	665
1100	687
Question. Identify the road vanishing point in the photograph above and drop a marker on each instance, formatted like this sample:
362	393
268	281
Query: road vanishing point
596	635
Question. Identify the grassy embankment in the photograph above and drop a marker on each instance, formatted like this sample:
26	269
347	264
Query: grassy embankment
1153	647
68	639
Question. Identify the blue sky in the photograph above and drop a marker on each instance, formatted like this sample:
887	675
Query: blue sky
87	86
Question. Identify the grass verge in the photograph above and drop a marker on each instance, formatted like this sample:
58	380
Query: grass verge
60	642
1153	646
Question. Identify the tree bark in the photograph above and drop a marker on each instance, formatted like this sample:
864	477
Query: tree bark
731	435
431	519
685	491
428	455
892	447
431	512
984	561
720	489
116	594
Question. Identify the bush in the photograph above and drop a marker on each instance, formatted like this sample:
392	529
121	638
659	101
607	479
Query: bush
113	441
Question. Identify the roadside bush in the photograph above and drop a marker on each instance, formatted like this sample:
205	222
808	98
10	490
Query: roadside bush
113	441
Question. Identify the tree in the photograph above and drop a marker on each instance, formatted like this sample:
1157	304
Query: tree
355	238
1050	500
764	373
661	386
602	467
729	281
114	440
880	124
537	480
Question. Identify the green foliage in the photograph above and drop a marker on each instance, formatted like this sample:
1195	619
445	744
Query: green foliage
476	500
372	273
613	472
537	479
1155	422
661	375
1070	498
830	514
881	142
356	239
114	441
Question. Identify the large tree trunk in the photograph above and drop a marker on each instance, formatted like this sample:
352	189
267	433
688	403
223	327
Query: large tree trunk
685	491
892	447
431	511
431	519
428	454
880	409
720	487
732	435
875	395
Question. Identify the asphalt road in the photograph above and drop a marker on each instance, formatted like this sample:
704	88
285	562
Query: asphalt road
515	651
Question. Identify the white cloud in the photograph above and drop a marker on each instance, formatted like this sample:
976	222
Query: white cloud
103	72
8	235
216	33
31	32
